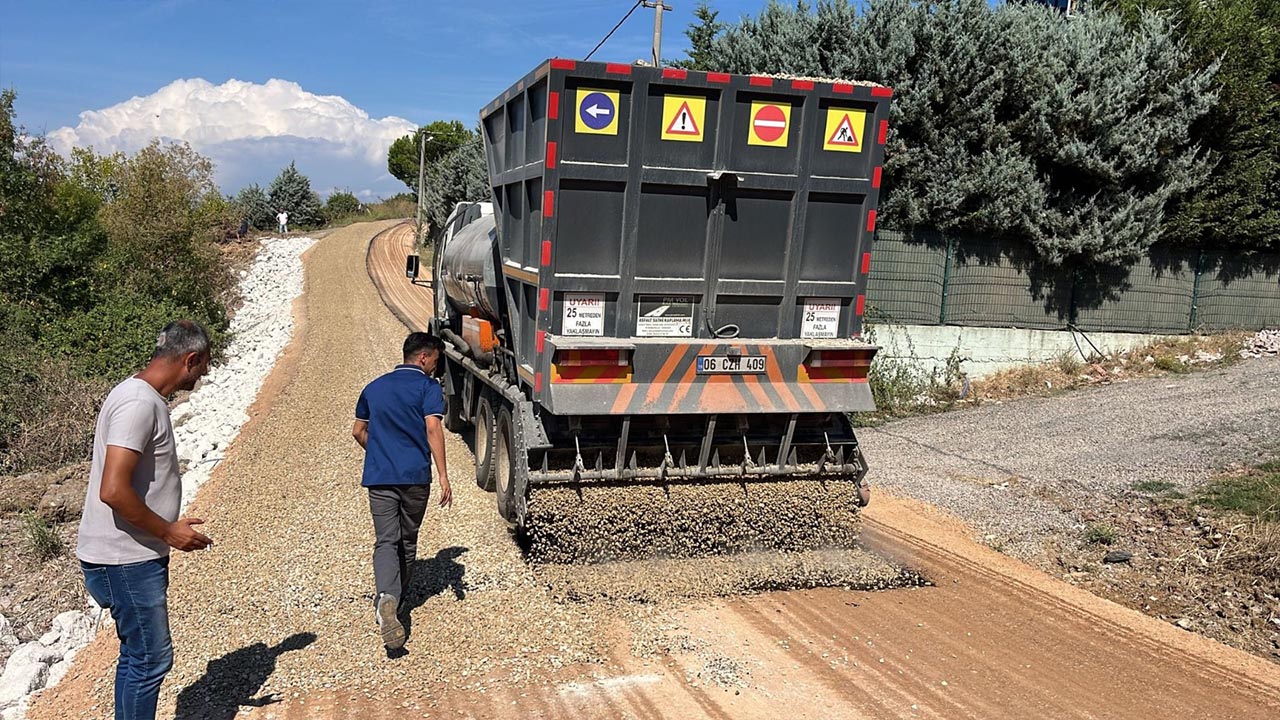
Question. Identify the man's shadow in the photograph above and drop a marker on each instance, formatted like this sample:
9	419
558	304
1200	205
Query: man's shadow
430	577
231	681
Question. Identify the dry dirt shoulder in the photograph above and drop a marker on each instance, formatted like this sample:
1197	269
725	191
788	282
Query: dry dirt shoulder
1035	477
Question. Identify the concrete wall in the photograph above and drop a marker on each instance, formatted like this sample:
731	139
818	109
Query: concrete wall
984	350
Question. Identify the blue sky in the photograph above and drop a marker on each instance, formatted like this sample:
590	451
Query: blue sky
420	61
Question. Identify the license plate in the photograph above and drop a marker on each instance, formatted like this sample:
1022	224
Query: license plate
732	364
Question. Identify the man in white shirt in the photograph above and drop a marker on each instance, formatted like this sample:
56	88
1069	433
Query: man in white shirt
283	219
130	519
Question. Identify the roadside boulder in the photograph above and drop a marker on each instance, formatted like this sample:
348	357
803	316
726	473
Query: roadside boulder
64	502
8	639
75	627
26	672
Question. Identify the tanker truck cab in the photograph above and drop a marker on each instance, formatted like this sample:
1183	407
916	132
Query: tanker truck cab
667	291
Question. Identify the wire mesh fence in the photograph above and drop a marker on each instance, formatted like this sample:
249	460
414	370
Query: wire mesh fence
926	278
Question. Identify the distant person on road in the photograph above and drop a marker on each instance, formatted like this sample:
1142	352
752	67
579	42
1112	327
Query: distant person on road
130	520
283	219
398	423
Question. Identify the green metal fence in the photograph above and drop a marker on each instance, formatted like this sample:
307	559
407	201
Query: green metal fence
926	278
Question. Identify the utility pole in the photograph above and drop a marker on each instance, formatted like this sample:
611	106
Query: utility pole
422	159
658	8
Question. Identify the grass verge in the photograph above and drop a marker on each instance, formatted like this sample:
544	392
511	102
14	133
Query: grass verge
1254	493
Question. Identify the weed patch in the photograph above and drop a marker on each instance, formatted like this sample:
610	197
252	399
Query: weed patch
42	538
1153	487
1070	371
1255	493
1099	535
902	385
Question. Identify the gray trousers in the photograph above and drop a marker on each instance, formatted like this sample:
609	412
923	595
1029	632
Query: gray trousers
397	516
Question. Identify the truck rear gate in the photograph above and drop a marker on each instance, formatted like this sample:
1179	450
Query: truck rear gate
679	271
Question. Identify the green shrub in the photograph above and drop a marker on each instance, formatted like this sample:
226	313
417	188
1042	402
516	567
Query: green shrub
97	253
1171	363
251	204
1100	535
341	204
42	538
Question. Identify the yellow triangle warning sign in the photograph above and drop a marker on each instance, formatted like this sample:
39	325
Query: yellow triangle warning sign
682	117
844	134
844	129
683	123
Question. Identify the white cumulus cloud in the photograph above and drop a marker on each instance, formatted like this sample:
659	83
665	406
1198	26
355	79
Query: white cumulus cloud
251	131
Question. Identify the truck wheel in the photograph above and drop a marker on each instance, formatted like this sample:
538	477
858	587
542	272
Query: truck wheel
484	443
503	469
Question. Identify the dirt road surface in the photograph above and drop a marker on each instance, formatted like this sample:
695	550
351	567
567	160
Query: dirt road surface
409	301
275	621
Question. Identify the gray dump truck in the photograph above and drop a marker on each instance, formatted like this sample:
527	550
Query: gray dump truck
667	288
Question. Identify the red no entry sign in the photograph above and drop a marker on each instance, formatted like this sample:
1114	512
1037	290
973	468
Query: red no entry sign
769	124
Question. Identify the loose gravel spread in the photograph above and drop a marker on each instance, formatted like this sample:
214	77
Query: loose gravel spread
689	520
1019	471
657	580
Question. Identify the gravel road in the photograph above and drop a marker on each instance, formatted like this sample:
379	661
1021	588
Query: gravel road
275	621
1016	471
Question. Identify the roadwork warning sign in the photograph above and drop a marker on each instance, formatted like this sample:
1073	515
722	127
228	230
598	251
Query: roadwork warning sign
597	112
682	117
845	128
770	124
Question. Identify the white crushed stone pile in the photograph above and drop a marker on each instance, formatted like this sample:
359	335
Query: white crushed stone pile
204	427
1265	344
212	416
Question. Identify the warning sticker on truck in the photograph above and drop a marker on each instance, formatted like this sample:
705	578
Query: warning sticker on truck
664	316
682	117
844	129
821	318
583	314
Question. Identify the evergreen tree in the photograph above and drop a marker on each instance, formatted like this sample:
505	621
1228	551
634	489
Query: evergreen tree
1238	206
462	175
291	191
442	138
251	204
1010	122
702	36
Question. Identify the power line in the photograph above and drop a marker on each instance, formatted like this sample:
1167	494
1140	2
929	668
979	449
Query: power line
615	29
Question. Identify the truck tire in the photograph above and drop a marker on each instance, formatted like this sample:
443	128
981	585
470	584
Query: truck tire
484	443
503	469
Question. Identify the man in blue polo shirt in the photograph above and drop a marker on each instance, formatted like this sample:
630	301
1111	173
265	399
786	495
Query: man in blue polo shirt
398	423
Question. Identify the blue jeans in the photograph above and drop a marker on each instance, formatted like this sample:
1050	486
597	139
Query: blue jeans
138	596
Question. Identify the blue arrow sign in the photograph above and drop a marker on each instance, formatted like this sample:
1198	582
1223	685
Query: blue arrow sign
596	110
